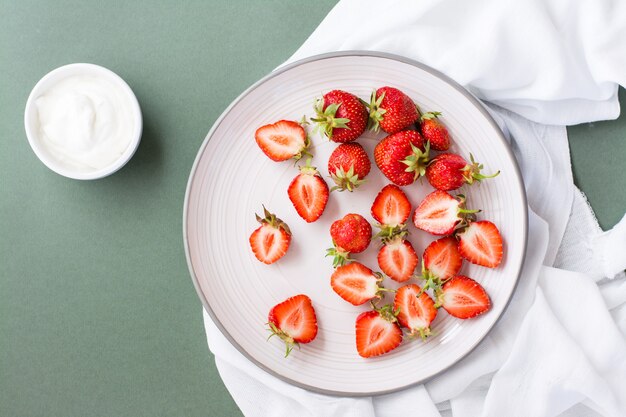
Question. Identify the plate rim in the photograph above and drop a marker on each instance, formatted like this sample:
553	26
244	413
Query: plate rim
284	68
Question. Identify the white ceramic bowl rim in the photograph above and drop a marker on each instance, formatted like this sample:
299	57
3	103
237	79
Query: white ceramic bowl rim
280	70
33	137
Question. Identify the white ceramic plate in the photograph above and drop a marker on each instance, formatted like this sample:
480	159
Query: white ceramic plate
231	178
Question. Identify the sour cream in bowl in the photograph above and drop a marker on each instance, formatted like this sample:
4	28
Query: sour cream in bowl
83	121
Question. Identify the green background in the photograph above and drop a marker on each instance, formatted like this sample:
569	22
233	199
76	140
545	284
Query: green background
98	315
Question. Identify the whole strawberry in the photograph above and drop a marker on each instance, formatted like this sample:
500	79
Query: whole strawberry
434	132
402	157
391	110
348	165
377	331
341	116
351	234
449	171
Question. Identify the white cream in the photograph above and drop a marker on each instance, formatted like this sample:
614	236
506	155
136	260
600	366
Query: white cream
85	122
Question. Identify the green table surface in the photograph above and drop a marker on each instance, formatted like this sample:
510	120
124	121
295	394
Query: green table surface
98	315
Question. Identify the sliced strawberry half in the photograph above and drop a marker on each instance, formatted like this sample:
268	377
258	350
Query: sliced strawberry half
356	283
464	298
391	209
442	258
308	193
271	240
377	332
398	259
481	244
282	140
294	321
416	310
440	213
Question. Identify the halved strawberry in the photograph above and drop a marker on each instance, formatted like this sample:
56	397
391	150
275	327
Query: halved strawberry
391	206
282	140
308	193
440	213
464	298
377	332
294	321
271	240
356	283
398	259
442	258
481	244
416	310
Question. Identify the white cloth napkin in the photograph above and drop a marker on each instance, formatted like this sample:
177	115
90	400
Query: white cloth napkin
560	347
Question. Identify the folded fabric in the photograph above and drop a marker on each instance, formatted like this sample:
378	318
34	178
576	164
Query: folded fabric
540	65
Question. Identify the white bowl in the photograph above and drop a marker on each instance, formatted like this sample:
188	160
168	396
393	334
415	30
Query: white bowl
31	121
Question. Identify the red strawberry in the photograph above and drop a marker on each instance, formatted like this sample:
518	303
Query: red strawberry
464	298
416	310
348	165
449	171
271	240
308	193
481	244
391	110
434	132
356	283
402	157
377	332
351	234
294	321
391	206
442	259
282	140
398	259
440	214
341	116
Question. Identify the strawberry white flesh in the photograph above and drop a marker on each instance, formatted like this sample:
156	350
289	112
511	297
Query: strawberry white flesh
398	259
308	194
269	243
442	258
375	335
437	214
391	206
464	298
417	309
355	283
282	140
481	244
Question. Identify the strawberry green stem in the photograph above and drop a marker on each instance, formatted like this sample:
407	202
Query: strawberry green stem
345	180
388	233
417	161
289	342
340	256
376	113
471	172
430	115
325	118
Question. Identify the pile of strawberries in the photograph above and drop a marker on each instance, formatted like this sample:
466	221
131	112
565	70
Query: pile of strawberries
403	156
